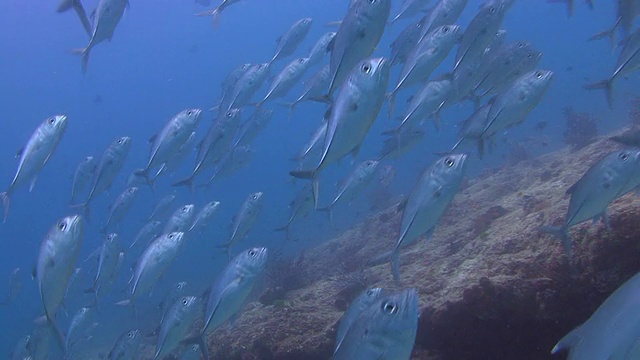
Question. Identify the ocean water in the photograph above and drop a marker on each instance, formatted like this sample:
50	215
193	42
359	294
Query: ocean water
163	59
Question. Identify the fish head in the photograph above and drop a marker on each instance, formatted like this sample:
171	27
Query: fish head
175	238
122	144
181	285
55	125
188	302
186	210
133	335
190	117
370	166
370	74
375	11
255	199
398	310
88	160
252	260
448	34
232	114
132	190
305	22
71	227
452	167
532	57
111	239
211	207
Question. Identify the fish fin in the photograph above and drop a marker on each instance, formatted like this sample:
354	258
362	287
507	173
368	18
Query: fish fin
391	98
84	53
326	99
328	209
315	192
215	13
607	85
568	341
65	5
303	174
572	188
6	202
145	174
19	153
186	182
395	266
481	148
380	259
562	234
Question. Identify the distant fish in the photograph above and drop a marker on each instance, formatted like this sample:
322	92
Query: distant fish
234	161
408	9
180	220
406	41
315	87
176	324
120	207
359	305
76	5
82	176
244	220
402	142
252	127
299	207
445	12
292	38
161	207
216	12
205	215
353	184
15	287
288	78
35	154
81	328
176	291
126	346
149	232
246	86
322	47
108	261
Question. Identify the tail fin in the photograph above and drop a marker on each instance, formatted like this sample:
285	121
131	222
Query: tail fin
395	266
6	201
328	209
215	13
291	106
186	182
285	229
303	174
145	174
562	234
93	290
607	85
84	53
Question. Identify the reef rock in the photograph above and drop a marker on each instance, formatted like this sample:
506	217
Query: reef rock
491	285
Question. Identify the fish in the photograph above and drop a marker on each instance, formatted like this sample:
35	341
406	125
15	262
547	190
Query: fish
608	179
109	166
105	20
230	82
396	146
406	41
286	80
385	330
81	328
204	216
15	287
292	38
21	349
313	143
356	38
172	137
39	342
55	265
409	8
628	62
235	160
174	162
192	352
161	207
252	127
299	207
611	332
425	58
626	13
473	127
358	306
244	220
176	325
180	220
120	207
248	84
427	202
445	12
126	346
82	176
149	231
628	138
173	295
108	262
35	155
215	13
153	262
314	88
76	5
322	47
354	184
353	113
214	145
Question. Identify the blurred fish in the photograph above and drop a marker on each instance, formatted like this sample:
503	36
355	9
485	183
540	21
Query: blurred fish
629	138
608	179
191	352
56	261
387	174
628	62
570	4
409	8
205	215
626	13
322	46
173	295
402	46
314	88
358	306
445	12
107	265
82	176
176	325
286	80
385	330
120	207
180	220
15	287
173	163
216	12
246	87
356	38
252	127
108	168
83	323
105	19
398	145
152	264
351	116
39	342
299	207
230	82
170	139
76	5
161	207
234	161
292	38
21	349
35	154
473	127
244	220
149	231
126	346
354	184
313	143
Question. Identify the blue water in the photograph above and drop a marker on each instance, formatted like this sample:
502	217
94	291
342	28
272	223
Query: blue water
147	74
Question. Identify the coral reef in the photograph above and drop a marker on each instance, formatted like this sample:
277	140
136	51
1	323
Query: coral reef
507	292
581	130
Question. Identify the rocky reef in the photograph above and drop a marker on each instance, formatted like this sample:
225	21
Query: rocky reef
491	285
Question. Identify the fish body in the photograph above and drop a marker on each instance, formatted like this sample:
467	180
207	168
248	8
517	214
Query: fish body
292	38
76	5
15	287
82	176
21	349
173	295
286	79
149	231
126	346
315	87
252	127
174	163
356	38
35	155
176	324
205	215
409	8
246	86
81	328
230	82
234	161
55	265
445	12
321	48
427	103
180	220
299	207
215	13
406	41
396	146
161	207
245	218
355	309
120	207
108	262
355	183
314	141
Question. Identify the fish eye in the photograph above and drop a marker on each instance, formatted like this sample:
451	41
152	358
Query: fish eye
445	29
255	197
230	114
252	253
171	236
539	75
62	225
366	68
52	121
520	45
389	308
131	334
119	141
492	10
449	162
373	1
623	156
184	302
189	112
370	292
194	348
184	208
530	56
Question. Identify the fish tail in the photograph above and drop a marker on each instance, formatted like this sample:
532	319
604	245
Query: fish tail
395	266
215	13
59	335
328	209
291	106
303	174
145	174
607	85
285	229
84	53
562	234
6	202
186	182
66	5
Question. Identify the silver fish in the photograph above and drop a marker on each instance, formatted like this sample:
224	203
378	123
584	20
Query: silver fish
173	163
41	145
353	113
354	184
107	265
126	347
445	12
385	330
626	13
76	5
176	325
315	87
608	179
252	127
15	287
289	42
215	13
180	220
246	87
313	143
473	127
409	8
356	38
358	306
204	216
396	146
244	220
172	136
161	207
321	48
120	207
21	349
427	103
427	202
230	82
174	294
82	176
235	160
299	207
406	41
106	18
81	328
192	352
56	262
286	80
149	231
39	343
